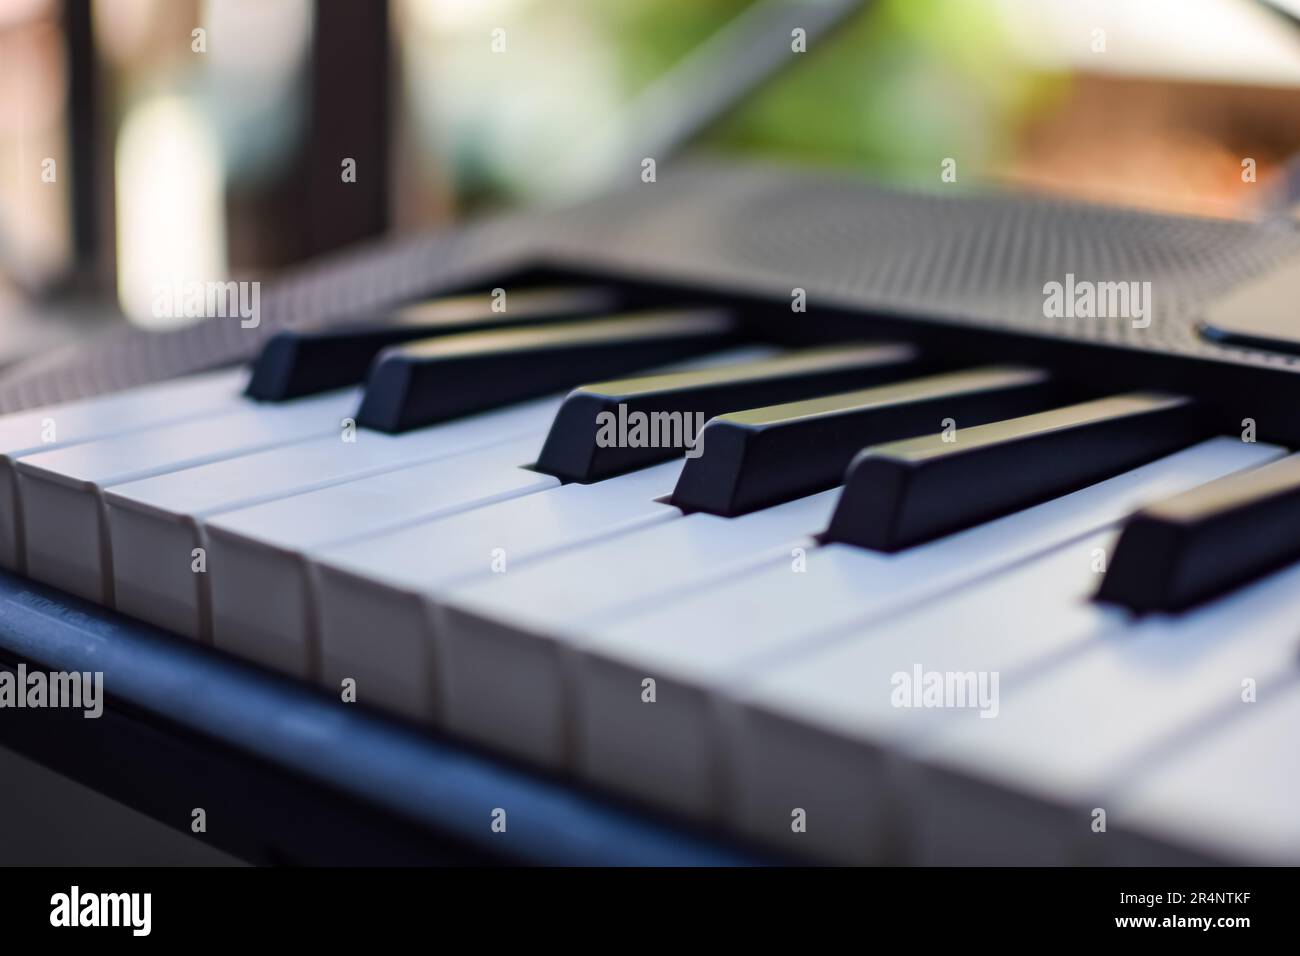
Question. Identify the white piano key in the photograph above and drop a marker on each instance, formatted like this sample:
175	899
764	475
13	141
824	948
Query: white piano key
505	636
375	624
258	556
820	731
59	426
1228	796
699	647
156	525
1070	738
60	492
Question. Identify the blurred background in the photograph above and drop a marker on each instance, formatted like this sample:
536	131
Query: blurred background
207	138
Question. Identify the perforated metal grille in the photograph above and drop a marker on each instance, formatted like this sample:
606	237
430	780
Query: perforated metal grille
978	261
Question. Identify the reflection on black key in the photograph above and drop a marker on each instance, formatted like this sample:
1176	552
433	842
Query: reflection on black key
656	417
427	382
764	456
906	492
301	362
1196	545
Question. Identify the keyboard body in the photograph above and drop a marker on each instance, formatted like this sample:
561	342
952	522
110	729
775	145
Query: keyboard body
958	276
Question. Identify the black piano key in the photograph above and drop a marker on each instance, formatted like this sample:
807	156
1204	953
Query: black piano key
906	492
682	401
419	384
1179	552
300	362
764	456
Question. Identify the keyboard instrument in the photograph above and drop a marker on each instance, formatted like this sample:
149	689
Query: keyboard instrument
740	516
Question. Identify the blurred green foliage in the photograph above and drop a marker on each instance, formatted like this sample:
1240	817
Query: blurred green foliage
895	89
899	87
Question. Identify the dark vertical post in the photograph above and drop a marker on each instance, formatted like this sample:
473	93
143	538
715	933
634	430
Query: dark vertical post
349	120
82	145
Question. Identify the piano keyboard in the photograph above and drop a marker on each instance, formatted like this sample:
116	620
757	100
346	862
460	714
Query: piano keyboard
883	607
